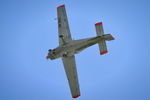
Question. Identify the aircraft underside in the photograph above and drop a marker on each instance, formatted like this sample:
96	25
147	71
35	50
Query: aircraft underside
68	48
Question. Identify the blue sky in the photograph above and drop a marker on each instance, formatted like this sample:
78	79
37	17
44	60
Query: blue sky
28	29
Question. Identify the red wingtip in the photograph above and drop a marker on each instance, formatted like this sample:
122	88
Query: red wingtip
103	52
61	6
75	96
99	23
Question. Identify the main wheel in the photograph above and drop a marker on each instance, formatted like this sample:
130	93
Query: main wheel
65	54
60	36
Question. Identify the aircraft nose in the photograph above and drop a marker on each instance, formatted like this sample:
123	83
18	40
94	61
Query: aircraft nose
46	57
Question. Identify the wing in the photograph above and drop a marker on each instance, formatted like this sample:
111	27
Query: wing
63	26
71	72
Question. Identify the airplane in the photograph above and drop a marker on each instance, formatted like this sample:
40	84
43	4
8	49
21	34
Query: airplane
68	48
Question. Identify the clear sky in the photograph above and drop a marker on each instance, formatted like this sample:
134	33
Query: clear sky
28	28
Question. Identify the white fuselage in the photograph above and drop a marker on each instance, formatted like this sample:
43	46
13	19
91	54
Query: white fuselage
75	46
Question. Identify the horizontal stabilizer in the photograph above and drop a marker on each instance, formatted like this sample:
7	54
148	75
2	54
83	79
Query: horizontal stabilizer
100	32
103	47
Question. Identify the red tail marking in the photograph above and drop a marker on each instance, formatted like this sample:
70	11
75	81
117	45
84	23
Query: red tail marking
75	96
103	52
99	23
60	6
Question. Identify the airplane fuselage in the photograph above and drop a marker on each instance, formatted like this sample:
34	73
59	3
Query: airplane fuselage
75	46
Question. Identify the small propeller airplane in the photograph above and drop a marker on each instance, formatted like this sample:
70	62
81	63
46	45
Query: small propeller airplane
68	48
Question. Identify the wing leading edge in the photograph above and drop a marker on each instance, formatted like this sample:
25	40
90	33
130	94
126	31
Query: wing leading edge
71	72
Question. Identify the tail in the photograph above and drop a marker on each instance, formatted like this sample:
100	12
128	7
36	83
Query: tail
102	43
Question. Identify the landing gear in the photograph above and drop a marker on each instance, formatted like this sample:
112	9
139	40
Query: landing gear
65	54
50	50
61	36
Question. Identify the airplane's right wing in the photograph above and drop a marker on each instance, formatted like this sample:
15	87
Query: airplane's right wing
71	72
63	26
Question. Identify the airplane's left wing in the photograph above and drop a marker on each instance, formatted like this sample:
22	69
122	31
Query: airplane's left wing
63	26
71	72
